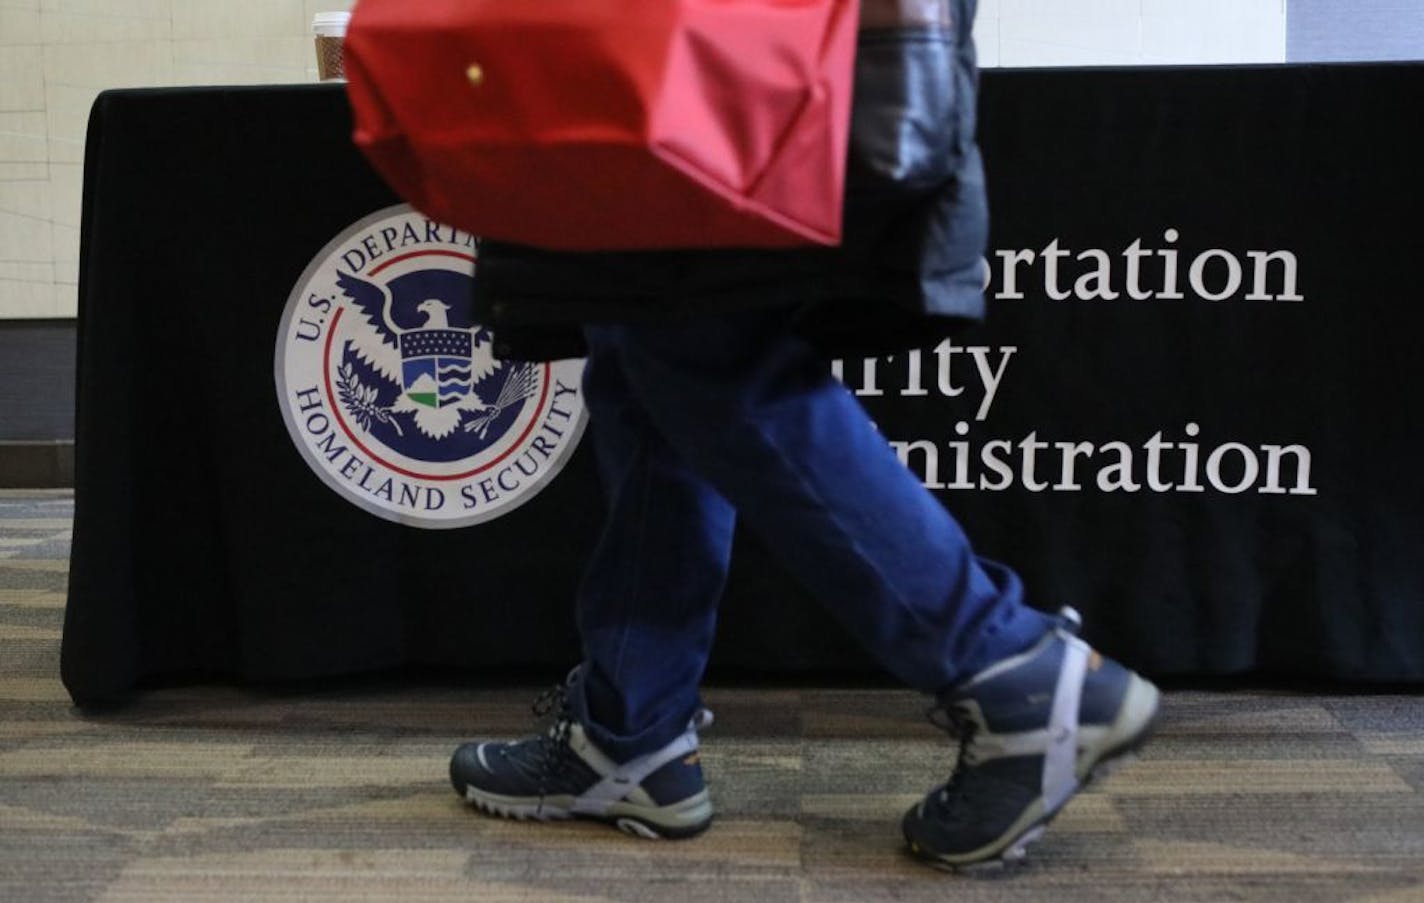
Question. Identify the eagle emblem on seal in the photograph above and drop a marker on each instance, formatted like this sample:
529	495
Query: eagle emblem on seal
435	368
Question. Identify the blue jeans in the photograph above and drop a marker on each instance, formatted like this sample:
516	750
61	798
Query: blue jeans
699	422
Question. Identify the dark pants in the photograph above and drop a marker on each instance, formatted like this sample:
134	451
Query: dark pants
700	422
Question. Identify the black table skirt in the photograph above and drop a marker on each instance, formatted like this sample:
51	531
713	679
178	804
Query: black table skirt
1205	433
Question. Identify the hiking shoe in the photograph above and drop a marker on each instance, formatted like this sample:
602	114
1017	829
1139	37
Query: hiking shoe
1033	730
561	774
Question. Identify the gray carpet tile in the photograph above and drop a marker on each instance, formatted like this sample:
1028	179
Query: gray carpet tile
340	793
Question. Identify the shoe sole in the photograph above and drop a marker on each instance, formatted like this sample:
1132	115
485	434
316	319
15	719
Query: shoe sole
678	821
1141	706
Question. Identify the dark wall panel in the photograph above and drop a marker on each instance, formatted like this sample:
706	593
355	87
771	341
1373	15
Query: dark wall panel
37	380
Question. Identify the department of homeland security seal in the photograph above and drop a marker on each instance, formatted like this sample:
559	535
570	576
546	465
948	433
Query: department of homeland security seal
391	393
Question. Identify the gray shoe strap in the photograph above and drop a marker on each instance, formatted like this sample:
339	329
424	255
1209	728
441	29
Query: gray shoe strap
1060	759
626	778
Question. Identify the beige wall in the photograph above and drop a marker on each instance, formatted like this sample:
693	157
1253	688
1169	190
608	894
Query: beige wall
56	55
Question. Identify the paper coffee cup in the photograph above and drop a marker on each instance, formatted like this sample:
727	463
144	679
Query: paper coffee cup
330	31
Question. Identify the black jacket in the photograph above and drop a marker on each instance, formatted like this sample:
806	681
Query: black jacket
907	272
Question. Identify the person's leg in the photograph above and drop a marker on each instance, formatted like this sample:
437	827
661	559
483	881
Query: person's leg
753	411
647	607
623	744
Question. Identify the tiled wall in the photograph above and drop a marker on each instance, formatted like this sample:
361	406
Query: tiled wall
55	55
1130	32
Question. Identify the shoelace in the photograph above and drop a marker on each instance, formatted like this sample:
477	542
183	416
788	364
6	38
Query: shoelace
554	749
955	722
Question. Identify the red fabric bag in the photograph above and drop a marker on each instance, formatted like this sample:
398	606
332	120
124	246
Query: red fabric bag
610	124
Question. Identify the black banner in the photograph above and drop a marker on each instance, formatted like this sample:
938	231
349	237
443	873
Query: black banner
1193	414
1206	436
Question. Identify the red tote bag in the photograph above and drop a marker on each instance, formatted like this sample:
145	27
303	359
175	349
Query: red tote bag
610	124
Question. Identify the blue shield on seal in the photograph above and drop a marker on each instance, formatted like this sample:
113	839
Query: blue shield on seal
437	365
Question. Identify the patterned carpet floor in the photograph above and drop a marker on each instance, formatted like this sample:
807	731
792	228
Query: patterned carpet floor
223	793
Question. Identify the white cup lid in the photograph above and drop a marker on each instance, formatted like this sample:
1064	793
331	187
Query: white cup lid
331	25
